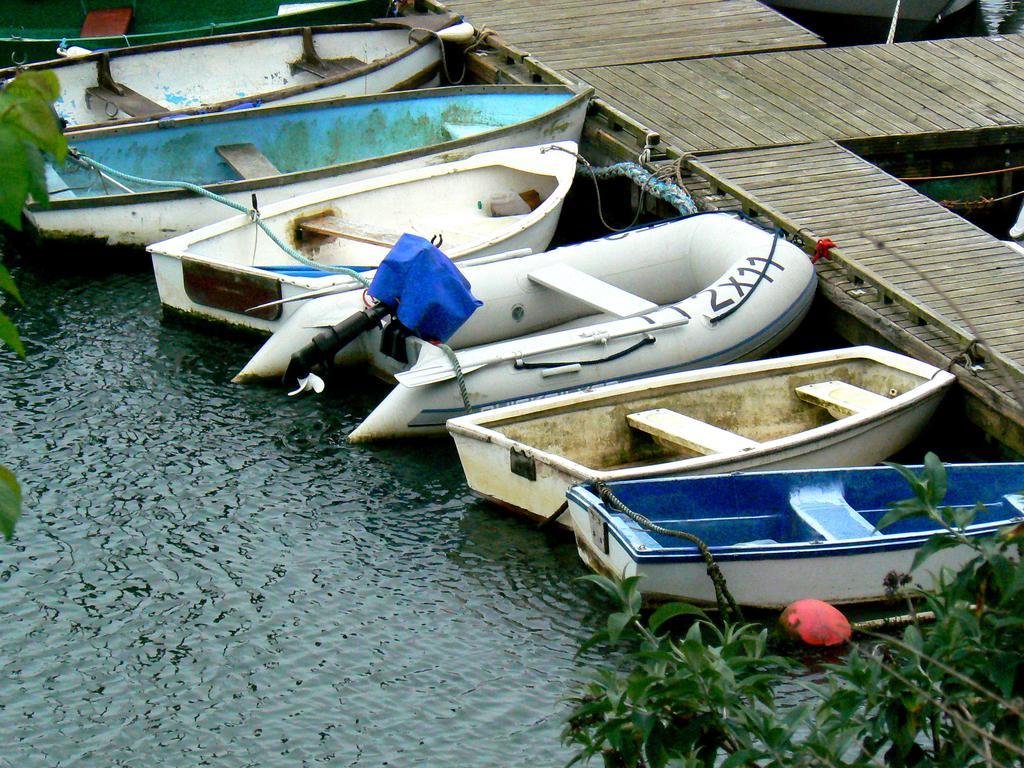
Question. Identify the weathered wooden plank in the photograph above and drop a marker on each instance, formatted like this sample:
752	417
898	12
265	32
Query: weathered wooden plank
697	132
247	161
859	93
680	90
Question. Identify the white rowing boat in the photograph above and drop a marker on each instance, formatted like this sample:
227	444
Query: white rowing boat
493	202
210	74
848	407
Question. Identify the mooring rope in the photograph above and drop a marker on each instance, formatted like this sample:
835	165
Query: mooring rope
252	212
460	378
648	182
726	604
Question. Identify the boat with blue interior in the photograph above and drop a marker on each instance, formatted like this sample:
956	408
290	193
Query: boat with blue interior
781	536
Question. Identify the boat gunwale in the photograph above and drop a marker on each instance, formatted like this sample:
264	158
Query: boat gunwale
376	65
472	426
575	97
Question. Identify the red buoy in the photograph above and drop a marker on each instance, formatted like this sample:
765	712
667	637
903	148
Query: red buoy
815	622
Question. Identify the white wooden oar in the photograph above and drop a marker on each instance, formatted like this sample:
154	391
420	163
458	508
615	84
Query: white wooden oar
440	368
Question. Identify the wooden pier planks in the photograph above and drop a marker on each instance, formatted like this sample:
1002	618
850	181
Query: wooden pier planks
567	34
907	270
956	278
768	99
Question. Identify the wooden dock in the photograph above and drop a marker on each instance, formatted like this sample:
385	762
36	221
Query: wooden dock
569	34
776	128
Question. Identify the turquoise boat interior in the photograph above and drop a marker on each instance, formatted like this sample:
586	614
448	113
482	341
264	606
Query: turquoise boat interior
214	149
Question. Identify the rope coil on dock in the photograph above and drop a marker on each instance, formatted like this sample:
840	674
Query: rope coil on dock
649	183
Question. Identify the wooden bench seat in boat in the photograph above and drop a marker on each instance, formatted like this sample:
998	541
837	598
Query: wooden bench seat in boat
828	515
841	399
457	131
323	68
692	434
120	96
128	101
596	293
247	161
329	225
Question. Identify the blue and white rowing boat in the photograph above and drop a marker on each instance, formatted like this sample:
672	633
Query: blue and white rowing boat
279	152
786	535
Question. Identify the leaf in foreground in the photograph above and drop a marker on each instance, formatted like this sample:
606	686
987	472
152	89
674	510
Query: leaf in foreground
10	502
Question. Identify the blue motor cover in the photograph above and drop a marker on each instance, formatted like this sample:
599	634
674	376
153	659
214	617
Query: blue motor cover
432	296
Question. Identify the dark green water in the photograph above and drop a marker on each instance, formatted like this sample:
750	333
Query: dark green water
208	573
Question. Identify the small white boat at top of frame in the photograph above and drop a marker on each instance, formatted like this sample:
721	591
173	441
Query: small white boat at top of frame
846	407
493	202
927	11
210	74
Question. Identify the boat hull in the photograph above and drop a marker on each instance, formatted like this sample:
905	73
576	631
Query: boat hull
771	574
928	11
854	579
296	139
489	457
854	23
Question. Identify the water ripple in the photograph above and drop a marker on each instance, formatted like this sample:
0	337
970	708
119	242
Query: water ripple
209	573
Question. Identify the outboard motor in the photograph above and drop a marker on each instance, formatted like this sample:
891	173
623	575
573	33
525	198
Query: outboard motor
417	286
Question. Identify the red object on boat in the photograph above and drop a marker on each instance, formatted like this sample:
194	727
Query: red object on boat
815	622
106	22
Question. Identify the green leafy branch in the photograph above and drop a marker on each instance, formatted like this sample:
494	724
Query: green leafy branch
949	693
28	128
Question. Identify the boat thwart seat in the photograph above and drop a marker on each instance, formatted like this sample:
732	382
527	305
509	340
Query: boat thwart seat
247	161
1015	501
827	513
117	95
330	225
694	435
596	293
323	68
841	399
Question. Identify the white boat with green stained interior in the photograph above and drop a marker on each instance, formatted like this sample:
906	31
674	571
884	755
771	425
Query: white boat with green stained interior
847	407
